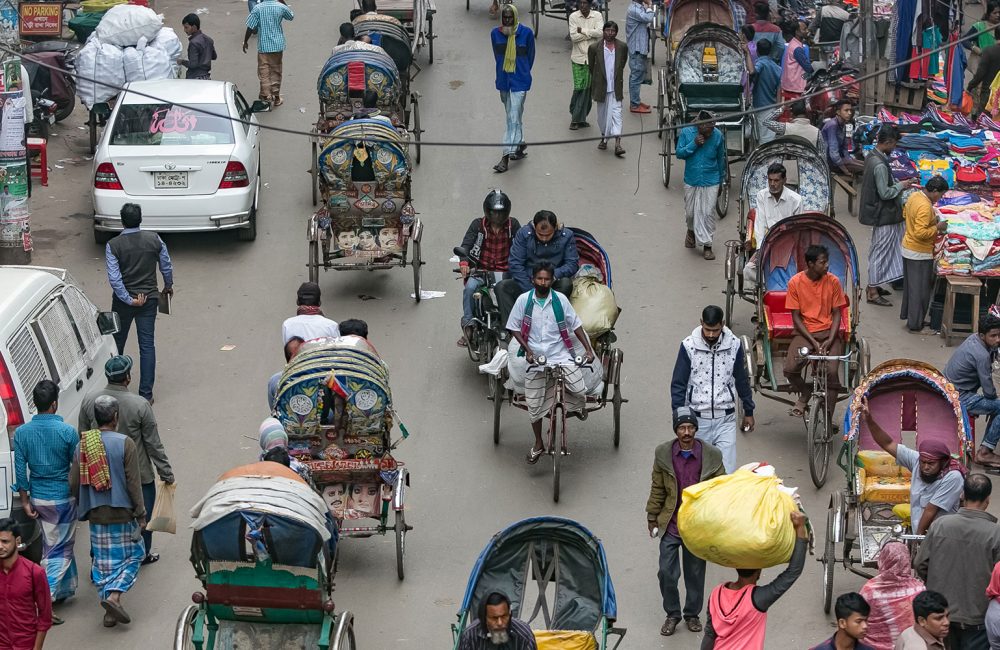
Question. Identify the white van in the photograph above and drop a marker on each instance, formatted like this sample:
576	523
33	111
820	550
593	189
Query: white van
49	329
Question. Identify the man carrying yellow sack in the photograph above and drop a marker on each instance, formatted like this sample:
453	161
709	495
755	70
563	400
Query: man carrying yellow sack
736	622
678	464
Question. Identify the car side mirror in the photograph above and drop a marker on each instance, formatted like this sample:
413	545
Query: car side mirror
108	322
260	106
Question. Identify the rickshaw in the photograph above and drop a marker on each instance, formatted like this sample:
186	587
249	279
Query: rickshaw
367	221
909	399
415	17
558	9
595	263
672	20
709	70
334	402
807	174
264	548
549	566
782	255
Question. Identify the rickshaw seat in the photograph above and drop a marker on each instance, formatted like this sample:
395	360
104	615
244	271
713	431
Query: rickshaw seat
356	78
779	317
712	95
564	640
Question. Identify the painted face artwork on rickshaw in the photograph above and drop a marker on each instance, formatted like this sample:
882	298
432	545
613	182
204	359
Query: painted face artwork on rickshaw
335	497
347	240
363	501
367	240
388	238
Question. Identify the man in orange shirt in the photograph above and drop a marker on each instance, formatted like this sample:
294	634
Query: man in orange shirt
815	298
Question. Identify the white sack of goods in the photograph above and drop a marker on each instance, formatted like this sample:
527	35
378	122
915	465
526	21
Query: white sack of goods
124	25
101	62
156	63
594	304
517	368
166	40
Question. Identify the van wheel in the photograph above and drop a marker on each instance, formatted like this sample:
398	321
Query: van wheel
102	237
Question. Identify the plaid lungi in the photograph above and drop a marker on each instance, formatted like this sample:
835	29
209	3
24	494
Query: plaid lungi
116	551
581	76
539	391
57	519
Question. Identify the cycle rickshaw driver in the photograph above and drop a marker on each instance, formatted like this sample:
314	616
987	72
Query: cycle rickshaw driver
541	321
488	240
815	299
774	203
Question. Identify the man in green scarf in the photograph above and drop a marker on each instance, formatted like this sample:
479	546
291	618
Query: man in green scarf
514	51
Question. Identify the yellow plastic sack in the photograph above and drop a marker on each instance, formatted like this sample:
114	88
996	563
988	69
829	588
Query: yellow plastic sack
902	511
595	305
564	640
886	489
741	521
879	463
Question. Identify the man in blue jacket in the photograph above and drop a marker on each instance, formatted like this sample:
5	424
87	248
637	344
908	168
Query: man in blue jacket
703	149
514	51
540	241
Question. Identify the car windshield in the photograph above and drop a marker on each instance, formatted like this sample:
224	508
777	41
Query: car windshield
166	124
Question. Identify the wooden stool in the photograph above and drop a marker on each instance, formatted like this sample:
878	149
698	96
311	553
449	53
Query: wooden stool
955	285
846	183
40	170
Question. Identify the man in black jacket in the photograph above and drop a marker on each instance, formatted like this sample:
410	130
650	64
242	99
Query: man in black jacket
487	241
132	258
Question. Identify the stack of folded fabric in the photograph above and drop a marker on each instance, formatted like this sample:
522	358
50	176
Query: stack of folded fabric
971	245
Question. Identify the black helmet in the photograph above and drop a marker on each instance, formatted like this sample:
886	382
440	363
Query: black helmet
496	201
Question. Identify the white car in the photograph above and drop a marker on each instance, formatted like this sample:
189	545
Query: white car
189	167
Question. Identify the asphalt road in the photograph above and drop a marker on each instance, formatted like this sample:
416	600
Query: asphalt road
210	402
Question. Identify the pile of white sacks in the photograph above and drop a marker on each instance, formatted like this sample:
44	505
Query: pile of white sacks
129	44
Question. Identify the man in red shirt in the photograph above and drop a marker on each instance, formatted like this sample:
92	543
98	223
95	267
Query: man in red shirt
25	602
815	298
487	241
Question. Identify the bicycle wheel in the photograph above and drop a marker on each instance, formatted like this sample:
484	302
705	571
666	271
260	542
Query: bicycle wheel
828	562
498	395
400	543
818	440
558	417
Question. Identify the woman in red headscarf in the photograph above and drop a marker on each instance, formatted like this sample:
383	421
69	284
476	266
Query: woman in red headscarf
993	611
890	594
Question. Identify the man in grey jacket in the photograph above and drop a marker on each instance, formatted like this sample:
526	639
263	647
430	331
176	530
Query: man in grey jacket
957	558
709	374
971	368
135	420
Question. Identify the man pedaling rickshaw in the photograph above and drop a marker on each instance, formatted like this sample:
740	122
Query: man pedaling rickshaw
488	241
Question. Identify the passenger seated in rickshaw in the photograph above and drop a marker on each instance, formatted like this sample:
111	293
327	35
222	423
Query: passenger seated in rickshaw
495	627
541	321
815	299
540	241
369	109
488	241
971	369
936	479
363	168
774	203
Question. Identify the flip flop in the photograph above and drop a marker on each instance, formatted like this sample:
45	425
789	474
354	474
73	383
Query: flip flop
534	455
798	410
883	292
151	559
461	342
116	611
879	301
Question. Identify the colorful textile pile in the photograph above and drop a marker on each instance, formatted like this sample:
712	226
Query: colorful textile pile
972	244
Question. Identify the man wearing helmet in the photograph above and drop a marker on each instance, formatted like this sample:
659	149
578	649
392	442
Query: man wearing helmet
488	240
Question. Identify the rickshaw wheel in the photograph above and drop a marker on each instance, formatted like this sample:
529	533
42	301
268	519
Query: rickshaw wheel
537	7
722	200
416	270
616	414
182	631
314	171
730	295
659	105
864	361
498	395
314	261
828	563
400	543
415	112
749	360
818	441
666	149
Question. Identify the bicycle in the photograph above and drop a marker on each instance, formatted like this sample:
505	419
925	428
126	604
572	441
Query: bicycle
819	434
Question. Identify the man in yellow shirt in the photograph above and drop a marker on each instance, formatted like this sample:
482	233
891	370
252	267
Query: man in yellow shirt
922	229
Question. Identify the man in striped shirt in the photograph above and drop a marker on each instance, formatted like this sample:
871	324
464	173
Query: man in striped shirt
265	20
496	629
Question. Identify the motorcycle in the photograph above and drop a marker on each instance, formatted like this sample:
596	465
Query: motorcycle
488	333
56	85
822	96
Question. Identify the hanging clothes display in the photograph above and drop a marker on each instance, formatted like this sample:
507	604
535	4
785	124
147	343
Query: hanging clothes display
901	30
954	72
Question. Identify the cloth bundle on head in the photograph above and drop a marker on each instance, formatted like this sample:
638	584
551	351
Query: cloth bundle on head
684	415
272	435
938	450
94	470
510	54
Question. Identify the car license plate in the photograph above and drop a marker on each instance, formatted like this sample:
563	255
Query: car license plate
170	180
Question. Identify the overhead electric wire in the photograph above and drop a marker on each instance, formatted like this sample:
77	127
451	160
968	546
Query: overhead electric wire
541	143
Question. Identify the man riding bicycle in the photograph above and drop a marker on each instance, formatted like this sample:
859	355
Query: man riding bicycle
541	321
487	241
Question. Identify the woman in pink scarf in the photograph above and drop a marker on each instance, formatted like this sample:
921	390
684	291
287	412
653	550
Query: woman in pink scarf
890	595
993	611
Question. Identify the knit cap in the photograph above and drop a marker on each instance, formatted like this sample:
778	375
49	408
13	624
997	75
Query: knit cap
272	434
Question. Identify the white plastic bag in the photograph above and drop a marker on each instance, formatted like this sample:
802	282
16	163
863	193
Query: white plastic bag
166	40
156	64
124	25
132	62
101	62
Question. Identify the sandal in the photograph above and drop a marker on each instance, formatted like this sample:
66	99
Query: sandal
461	342
693	624
152	558
689	239
116	611
534	455
883	292
879	301
501	166
603	145
798	410
619	151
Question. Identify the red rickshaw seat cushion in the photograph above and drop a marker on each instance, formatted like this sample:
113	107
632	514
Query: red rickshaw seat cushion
779	317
